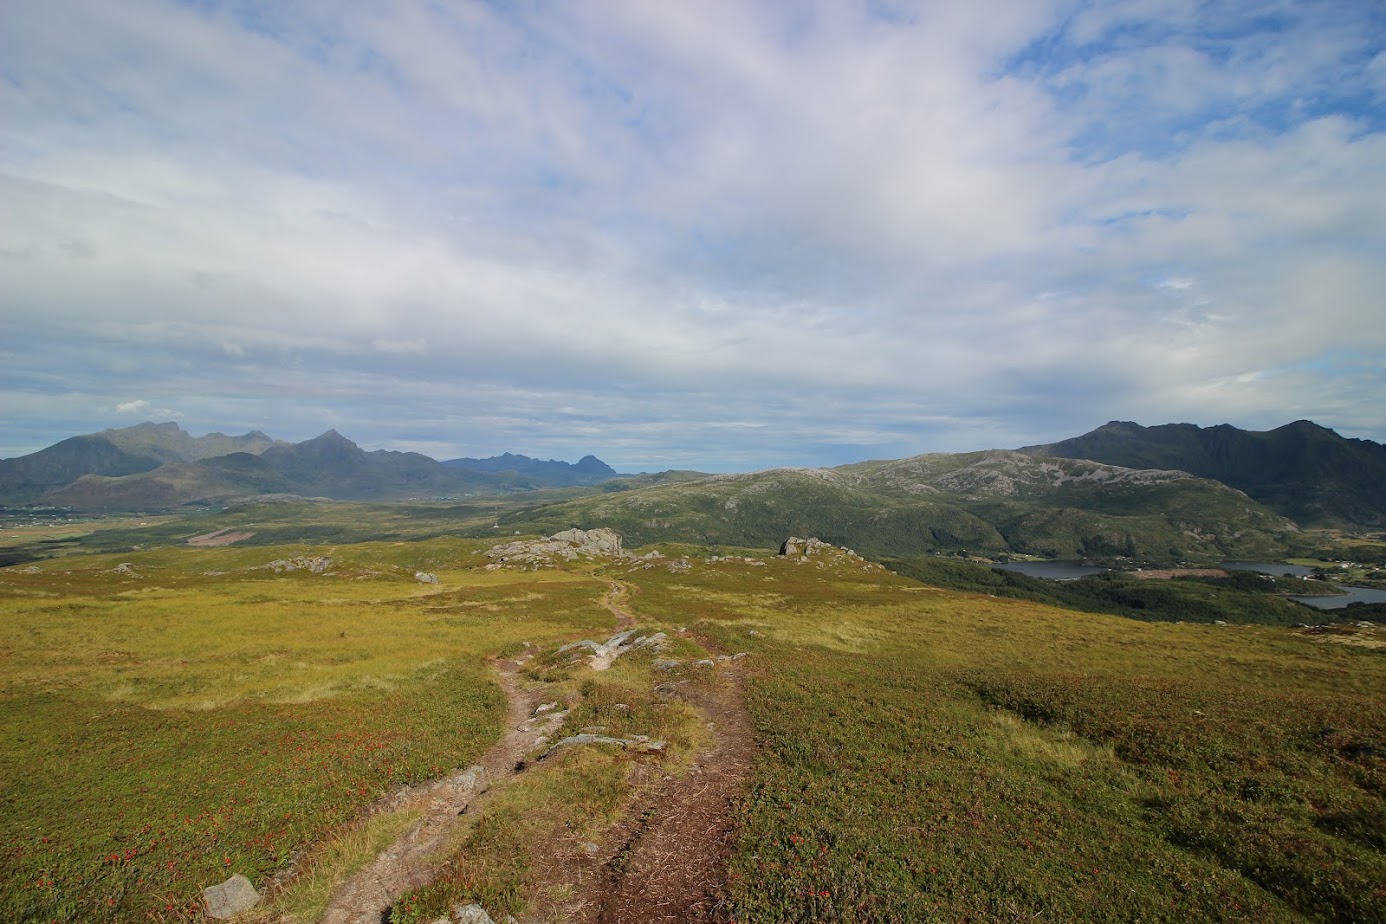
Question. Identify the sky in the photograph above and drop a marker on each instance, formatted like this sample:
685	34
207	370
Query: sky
690	234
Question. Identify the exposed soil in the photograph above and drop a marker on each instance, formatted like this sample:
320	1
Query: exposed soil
218	538
612	601
416	856
1166	574
671	863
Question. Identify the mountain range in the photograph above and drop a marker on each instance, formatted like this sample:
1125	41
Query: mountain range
160	466
1163	493
1301	470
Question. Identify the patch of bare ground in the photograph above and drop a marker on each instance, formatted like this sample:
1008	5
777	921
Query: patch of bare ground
666	861
1362	635
417	855
614	601
1166	574
218	538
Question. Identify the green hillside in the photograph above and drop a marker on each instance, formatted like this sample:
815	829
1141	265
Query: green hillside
988	503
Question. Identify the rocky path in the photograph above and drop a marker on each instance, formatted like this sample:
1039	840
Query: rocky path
672	865
414	858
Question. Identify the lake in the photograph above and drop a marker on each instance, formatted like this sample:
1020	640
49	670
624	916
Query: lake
1349	595
1051	570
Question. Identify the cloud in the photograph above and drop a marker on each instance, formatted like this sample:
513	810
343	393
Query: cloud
138	406
716	235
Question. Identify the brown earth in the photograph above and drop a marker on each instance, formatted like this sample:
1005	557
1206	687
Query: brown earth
671	864
218	538
1167	573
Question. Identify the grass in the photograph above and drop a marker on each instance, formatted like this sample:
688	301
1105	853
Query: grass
926	754
517	855
167	727
935	756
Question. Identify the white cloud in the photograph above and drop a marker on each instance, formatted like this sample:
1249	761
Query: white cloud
989	216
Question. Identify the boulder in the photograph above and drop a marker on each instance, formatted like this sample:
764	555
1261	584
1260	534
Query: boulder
568	545
229	898
423	577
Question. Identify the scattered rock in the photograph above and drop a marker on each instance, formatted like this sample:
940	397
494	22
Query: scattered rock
803	548
666	665
568	545
544	707
1219	622
681	565
32	569
316	564
423	577
229	898
604	654
589	848
124	568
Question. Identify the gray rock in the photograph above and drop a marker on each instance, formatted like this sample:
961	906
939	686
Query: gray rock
568	545
229	898
667	665
423	577
471	914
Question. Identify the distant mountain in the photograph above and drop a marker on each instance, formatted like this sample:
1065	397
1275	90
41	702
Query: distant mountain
586	471
1301	470
169	442
990	503
327	466
114	453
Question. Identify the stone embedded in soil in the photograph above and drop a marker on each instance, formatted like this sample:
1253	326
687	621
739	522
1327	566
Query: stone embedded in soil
229	898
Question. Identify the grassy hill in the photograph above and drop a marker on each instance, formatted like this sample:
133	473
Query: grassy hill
989	503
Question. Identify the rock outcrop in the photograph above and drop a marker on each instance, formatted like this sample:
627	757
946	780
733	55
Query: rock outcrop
569	545
605	653
316	564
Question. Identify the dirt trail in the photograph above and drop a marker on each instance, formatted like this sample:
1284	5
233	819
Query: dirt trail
415	857
672	865
625	619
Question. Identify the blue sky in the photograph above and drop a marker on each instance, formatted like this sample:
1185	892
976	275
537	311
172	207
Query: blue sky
707	235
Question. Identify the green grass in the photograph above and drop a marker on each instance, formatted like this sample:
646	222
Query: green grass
935	756
925	754
510	860
165	729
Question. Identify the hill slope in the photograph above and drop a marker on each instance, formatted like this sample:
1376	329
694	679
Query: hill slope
1301	470
989	502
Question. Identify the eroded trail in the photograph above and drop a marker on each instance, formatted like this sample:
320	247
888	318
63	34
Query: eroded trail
673	862
414	858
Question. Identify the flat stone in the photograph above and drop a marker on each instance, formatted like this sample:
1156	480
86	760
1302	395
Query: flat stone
229	898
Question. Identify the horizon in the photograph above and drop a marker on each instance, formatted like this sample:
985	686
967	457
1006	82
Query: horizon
623	469
685	236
